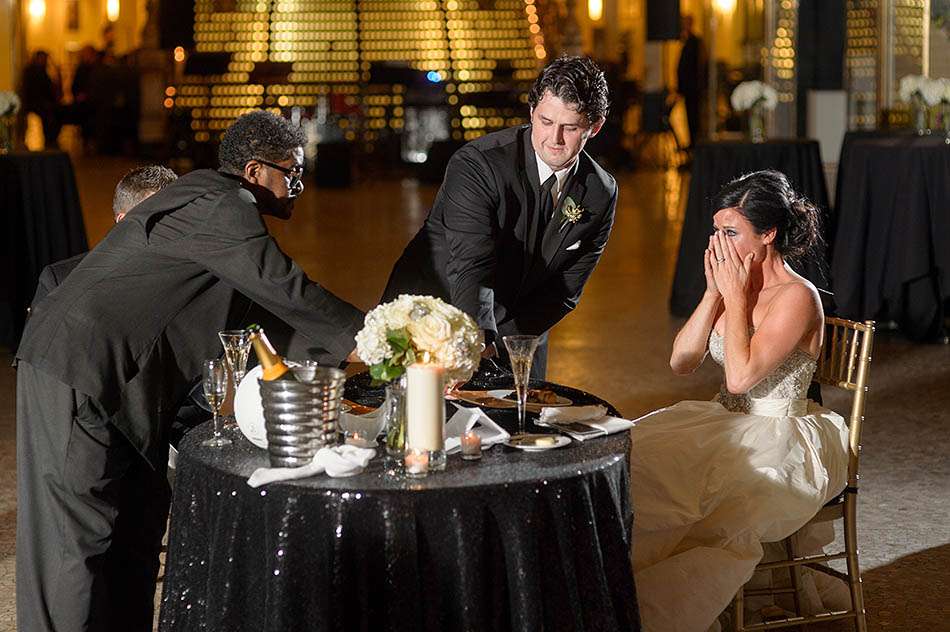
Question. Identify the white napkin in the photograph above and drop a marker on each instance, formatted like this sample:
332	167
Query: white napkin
583	422
568	414
338	461
464	420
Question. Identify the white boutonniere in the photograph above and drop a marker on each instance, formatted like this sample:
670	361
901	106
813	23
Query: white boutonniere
571	212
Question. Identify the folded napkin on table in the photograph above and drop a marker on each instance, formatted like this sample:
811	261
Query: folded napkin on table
583	422
464	420
567	414
338	461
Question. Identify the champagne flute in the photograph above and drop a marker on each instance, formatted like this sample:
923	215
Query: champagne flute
521	353
215	381
237	346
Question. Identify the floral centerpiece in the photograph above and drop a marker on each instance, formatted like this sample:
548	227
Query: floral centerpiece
414	329
9	106
925	96
754	97
419	329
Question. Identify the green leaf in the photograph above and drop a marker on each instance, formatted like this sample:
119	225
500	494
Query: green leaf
569	202
398	339
385	372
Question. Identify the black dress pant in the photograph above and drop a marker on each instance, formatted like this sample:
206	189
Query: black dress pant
90	517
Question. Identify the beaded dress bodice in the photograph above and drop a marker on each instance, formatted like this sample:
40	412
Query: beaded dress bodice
789	380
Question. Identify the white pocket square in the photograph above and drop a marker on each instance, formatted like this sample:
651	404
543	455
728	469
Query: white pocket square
574	246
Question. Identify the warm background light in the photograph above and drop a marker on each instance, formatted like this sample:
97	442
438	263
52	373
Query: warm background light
37	9
725	6
595	9
112	10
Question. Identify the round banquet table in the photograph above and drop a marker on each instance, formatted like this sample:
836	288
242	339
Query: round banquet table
891	254
715	164
515	541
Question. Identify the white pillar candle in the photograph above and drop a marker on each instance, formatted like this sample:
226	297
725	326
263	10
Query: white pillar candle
425	409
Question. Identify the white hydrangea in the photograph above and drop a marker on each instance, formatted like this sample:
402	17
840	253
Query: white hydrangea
9	103
438	332
932	91
911	86
748	94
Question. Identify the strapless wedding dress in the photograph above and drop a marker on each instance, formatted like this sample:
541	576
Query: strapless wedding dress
713	480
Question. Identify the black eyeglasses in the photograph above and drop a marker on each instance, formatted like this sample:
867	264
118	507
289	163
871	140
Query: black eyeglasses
293	175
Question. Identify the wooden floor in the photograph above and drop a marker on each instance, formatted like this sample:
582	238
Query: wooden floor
616	344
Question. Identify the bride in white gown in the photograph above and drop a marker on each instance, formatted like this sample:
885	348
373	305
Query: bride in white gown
713	480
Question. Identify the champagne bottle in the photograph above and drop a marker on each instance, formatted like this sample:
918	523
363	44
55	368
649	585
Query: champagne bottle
272	364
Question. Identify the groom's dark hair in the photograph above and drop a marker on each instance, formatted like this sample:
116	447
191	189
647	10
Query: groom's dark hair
576	81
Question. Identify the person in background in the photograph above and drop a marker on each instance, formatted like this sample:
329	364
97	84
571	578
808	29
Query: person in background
41	95
82	90
691	76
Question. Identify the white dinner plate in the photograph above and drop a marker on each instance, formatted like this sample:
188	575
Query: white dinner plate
559	442
507	395
248	410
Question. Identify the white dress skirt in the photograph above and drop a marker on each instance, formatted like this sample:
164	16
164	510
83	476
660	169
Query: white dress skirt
714	480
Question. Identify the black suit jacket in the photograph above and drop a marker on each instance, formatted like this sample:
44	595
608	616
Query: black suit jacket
132	323
53	274
485	248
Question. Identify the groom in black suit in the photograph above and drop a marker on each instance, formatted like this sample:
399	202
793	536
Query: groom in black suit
522	216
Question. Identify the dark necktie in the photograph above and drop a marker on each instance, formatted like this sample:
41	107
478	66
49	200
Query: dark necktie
546	208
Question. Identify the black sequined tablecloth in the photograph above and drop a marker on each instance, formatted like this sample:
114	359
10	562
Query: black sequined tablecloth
516	541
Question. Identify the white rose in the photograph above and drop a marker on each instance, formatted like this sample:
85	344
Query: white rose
430	333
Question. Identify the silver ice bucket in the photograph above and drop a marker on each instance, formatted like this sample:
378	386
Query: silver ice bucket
301	417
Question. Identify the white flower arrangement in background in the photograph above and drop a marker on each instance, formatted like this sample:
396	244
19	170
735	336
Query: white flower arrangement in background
9	103
419	329
924	89
941	91
750	94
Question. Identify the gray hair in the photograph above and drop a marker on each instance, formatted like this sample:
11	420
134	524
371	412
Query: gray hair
138	184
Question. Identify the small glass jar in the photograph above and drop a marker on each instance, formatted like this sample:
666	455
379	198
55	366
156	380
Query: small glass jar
471	446
394	410
417	463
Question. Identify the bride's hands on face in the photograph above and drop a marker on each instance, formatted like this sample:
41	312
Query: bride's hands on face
709	259
730	272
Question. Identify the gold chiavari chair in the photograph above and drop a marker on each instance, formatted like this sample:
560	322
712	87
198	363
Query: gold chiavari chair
844	362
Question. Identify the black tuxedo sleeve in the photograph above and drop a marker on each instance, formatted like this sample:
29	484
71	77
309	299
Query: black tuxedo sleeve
239	250
45	284
469	201
561	292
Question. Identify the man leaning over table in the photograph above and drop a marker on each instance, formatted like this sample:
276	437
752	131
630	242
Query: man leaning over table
522	216
106	358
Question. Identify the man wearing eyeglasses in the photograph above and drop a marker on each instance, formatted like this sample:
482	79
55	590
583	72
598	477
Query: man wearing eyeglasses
106	358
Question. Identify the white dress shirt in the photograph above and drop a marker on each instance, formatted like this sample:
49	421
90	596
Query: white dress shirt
544	172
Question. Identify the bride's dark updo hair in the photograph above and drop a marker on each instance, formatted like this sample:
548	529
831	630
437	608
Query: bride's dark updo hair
767	200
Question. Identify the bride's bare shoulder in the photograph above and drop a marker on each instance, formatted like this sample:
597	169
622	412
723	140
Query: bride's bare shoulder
798	295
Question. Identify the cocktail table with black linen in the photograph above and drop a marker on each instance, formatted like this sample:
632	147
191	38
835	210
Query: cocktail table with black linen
891	255
515	541
42	223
